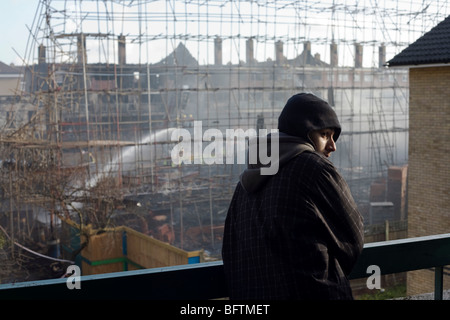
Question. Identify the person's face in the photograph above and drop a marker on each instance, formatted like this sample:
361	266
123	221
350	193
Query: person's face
323	141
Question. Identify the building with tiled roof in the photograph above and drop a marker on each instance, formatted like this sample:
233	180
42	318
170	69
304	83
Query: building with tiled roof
428	60
432	48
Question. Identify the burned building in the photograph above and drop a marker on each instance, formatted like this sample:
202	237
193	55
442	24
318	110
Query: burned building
106	99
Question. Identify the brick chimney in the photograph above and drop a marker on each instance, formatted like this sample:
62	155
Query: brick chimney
41	54
218	51
333	55
81	49
358	55
279	57
250	56
381	56
122	50
306	52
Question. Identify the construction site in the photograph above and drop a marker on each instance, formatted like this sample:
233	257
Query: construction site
89	132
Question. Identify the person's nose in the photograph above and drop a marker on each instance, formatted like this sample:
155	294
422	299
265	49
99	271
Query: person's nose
331	145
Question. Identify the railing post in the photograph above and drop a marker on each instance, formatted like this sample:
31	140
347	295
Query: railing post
438	283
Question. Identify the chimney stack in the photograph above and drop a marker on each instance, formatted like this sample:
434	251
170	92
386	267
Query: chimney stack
333	55
381	56
279	57
122	50
218	51
306	52
307	47
81	49
358	55
250	51
41	54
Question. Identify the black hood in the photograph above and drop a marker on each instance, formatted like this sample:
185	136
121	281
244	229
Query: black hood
304	112
252	179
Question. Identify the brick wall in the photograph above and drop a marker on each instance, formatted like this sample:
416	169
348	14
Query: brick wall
428	164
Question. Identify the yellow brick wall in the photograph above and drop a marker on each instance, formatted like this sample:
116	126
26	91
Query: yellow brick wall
428	164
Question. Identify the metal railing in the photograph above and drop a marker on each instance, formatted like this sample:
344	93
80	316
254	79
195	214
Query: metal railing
207	280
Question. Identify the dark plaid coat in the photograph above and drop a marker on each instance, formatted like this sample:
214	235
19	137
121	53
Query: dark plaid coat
297	237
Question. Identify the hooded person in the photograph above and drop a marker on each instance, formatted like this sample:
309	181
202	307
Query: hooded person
295	234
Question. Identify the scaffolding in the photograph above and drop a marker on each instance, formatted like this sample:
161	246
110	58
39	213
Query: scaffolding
107	83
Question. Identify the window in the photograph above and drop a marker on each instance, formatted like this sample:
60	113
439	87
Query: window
368	78
343	77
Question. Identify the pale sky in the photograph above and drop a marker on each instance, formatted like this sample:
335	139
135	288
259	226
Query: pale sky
15	15
352	24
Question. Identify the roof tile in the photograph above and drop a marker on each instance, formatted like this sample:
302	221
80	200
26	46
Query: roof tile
432	48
